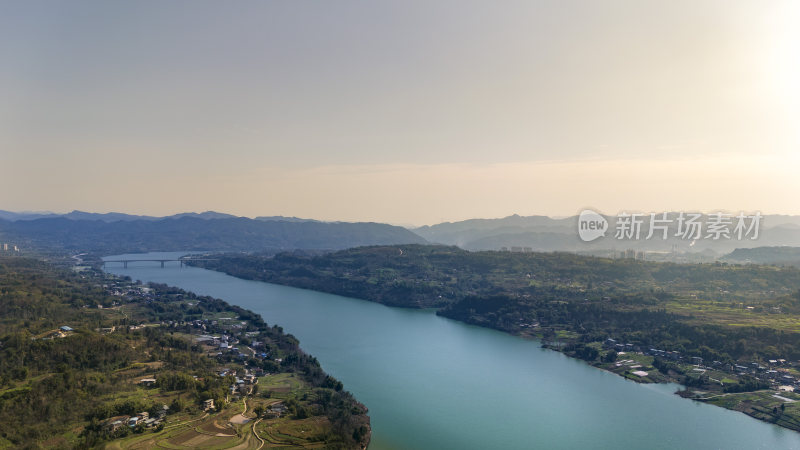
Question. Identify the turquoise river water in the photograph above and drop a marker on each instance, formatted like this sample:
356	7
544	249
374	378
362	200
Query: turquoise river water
434	383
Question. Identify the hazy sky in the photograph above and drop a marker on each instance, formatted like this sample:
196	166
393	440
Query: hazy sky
399	111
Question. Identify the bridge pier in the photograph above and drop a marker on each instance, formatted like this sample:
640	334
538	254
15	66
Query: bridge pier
124	264
162	263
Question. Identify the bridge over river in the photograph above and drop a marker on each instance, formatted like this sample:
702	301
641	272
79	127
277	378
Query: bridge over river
163	261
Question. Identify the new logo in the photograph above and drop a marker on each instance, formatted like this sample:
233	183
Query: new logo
591	225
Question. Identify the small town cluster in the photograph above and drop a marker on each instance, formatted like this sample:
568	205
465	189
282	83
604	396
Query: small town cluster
779	373
224	338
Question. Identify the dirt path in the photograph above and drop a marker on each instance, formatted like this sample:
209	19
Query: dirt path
256	434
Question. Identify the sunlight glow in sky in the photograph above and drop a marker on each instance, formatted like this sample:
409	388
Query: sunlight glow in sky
402	112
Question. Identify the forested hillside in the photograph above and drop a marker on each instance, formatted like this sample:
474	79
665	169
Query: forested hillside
789	256
86	358
720	311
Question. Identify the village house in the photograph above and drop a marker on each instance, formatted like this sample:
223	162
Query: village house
162	412
147	382
115	423
276	409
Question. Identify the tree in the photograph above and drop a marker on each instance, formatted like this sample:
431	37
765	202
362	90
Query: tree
177	405
302	412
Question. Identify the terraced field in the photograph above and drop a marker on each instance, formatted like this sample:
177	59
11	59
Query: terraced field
237	427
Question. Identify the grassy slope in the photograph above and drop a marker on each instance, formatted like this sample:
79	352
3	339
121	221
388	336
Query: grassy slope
56	392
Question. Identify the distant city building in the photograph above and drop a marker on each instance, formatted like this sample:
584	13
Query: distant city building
633	254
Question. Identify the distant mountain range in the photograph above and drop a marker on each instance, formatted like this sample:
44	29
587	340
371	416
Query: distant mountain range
105	217
117	217
789	256
209	231
212	230
284	219
542	233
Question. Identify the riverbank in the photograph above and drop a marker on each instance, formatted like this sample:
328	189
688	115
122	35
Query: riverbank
700	383
431	382
556	317
123	364
277	395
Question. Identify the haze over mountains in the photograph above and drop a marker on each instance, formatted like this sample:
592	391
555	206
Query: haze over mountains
115	216
214	231
788	256
209	231
106	217
542	233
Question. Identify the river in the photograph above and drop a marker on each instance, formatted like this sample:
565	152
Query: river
434	383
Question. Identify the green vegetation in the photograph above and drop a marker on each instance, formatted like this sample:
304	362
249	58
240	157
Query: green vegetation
781	409
716	311
718	329
83	353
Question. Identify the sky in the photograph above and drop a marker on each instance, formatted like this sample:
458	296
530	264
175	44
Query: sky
408	112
